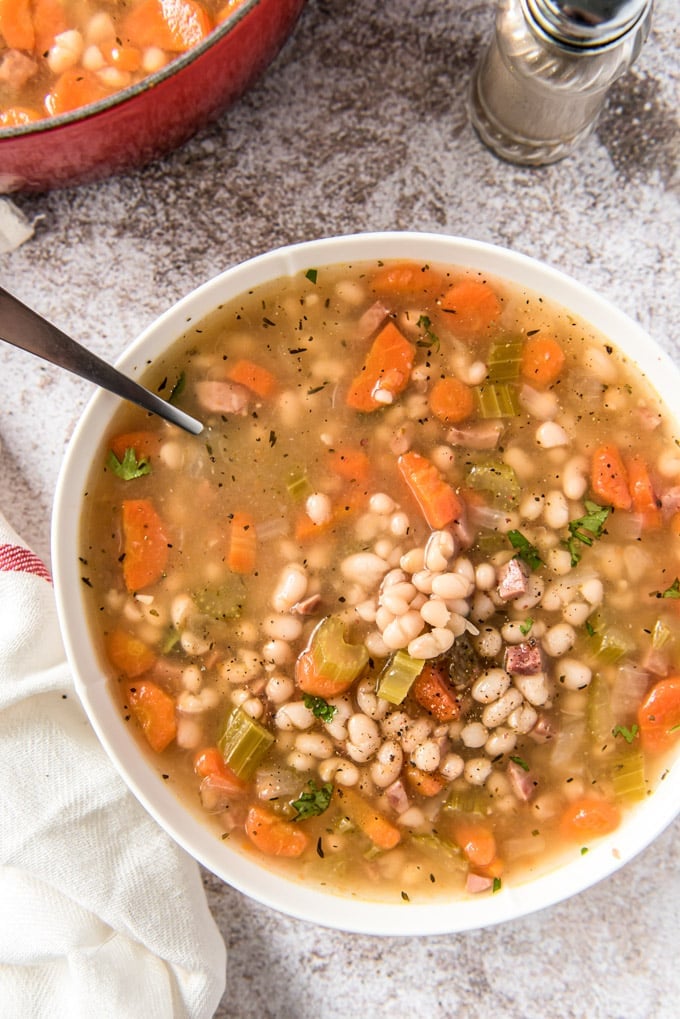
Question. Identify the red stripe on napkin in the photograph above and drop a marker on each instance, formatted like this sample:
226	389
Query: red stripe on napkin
14	558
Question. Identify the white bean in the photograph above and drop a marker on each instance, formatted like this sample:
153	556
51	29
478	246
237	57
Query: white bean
290	588
363	733
395	724
450	586
282	627
294	715
477	770
432	644
375	645
400	525
381	503
368	701
550	434
534	688
576	613
277	652
497	712
558	639
66	51
491	685
502	741
485	576
196	703
556	510
193	644
413	560
315	744
452	766
412	818
438	550
523	718
573	674
189	732
592	590
575	478
415	733
344	772
422	580
435	612
489	642
386	767
253	707
300	761
192	678
403	630
474	735
365	568
426	757
279	689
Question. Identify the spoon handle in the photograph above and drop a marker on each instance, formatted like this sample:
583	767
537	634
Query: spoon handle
26	329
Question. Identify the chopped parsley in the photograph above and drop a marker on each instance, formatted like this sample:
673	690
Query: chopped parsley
319	707
314	801
431	339
497	885
311	275
129	467
525	627
527	552
671	592
628	734
520	761
178	388
586	529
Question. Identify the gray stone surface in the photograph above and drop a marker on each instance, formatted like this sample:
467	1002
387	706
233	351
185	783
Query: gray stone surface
360	124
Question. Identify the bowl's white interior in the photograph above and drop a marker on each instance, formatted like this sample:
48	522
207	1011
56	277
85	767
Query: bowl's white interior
298	900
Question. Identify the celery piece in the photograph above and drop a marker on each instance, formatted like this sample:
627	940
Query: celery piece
599	715
607	642
497	400
334	658
628	776
398	676
504	360
468	801
222	601
298	485
243	742
498	479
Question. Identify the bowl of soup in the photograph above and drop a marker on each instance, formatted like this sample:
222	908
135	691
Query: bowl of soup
89	89
392	645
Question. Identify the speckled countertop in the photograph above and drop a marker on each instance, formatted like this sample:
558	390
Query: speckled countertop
360	124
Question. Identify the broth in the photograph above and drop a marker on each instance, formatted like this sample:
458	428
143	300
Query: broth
402	621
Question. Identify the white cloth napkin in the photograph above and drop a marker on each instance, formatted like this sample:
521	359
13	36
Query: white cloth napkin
101	913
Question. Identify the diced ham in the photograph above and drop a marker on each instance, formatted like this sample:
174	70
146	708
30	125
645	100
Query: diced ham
397	797
306	607
522	782
220	397
476	883
16	68
482	435
525	659
371	319
513	580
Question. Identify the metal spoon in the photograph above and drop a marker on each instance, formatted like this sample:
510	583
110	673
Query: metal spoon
26	329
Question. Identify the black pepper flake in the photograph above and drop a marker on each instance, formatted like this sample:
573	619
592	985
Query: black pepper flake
405	897
272	438
86	581
319	848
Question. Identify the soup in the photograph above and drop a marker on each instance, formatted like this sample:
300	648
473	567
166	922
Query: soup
59	55
402	621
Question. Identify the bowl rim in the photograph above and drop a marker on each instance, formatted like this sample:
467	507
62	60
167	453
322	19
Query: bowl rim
646	820
124	95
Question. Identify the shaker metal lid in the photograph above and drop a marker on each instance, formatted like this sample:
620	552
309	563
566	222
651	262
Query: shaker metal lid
586	23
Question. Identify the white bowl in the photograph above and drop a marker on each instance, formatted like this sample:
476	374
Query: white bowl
643	824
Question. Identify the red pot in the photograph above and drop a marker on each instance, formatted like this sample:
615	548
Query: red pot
149	119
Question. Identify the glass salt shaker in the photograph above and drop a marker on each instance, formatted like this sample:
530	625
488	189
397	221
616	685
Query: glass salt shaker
542	81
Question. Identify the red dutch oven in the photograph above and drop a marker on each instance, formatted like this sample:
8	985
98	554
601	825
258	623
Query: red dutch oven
148	120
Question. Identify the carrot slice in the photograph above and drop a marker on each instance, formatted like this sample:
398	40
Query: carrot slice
242	544
128	654
438	502
433	691
174	25
16	24
589	817
451	400
643	499
350	464
18	116
542	361
659	716
154	709
144	444
472	304
423	782
73	89
145	544
386	370
210	761
372	822
272	835
407	278
48	21
476	840
609	478
254	377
